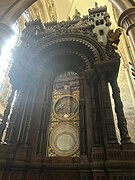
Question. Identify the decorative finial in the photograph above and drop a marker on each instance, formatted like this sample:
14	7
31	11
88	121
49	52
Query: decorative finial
38	17
69	18
96	5
77	14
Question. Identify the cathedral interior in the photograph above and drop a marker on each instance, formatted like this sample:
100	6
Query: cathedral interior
67	93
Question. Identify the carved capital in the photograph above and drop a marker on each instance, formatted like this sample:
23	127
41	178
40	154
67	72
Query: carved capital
106	70
127	19
90	75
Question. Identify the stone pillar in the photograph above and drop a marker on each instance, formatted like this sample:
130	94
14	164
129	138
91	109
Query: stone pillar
5	33
122	123
127	21
126	18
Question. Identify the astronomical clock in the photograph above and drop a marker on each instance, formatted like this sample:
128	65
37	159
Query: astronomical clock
64	125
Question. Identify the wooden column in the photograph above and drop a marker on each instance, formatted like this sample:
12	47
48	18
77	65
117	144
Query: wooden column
14	125
84	175
107	113
83	138
96	123
122	123
25	116
44	119
12	119
29	118
6	114
20	137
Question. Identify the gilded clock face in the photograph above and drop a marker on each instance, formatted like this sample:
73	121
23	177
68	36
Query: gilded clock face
66	107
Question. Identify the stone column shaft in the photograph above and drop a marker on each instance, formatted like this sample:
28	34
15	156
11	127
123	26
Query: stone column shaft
121	5
126	18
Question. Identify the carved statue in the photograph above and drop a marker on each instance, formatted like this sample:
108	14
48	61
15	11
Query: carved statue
96	5
113	38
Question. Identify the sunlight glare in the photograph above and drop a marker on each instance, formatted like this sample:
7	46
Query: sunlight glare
6	54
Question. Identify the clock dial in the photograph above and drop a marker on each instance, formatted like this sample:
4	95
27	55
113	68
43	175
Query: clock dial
66	107
64	127
64	139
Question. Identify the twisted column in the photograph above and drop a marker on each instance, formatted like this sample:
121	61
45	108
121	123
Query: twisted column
122	123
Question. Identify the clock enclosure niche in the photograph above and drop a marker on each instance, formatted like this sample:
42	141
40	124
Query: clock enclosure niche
64	126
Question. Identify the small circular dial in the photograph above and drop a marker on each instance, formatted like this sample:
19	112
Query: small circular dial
66	107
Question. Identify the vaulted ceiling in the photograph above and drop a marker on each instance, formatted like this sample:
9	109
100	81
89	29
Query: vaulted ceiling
47	10
10	10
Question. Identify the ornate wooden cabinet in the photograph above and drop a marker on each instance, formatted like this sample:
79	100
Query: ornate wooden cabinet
58	124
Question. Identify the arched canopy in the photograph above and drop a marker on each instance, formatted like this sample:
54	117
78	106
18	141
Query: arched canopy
11	10
71	51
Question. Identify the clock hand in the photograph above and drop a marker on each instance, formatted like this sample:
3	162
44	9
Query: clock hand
59	107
